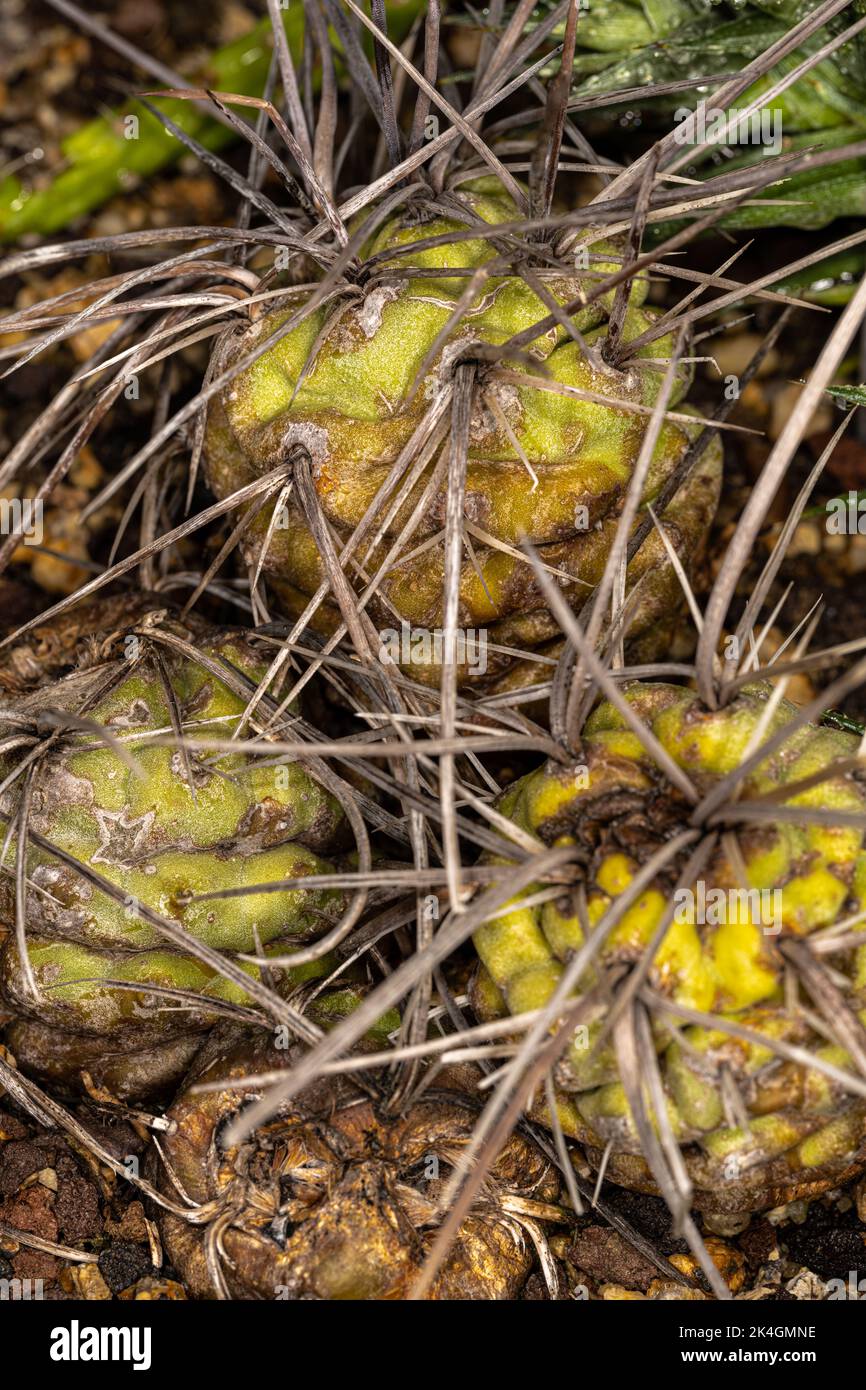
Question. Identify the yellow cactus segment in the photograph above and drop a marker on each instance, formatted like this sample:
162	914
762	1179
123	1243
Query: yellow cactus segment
597	906
836	844
543	802
567	1112
831	1143
715	744
533	988
620	742
697	1097
683	968
818	1092
511	945
813	900
563	933
742	969
615	874
638	922
608	1104
592	1062
768	1135
487	998
772	857
605	1103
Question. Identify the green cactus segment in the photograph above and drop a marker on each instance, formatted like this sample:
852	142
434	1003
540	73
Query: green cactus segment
344	383
685	46
808	200
78	986
331	1008
830	282
174	828
682	39
720	952
629	24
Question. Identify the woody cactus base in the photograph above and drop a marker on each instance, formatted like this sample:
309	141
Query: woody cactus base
338	1199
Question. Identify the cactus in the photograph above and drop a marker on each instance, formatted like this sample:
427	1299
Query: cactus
338	1199
729	937
690	42
681	39
545	467
118	849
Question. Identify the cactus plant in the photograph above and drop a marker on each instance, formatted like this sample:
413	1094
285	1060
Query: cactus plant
338	1200
549	460
379	347
123	832
719	946
677	40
